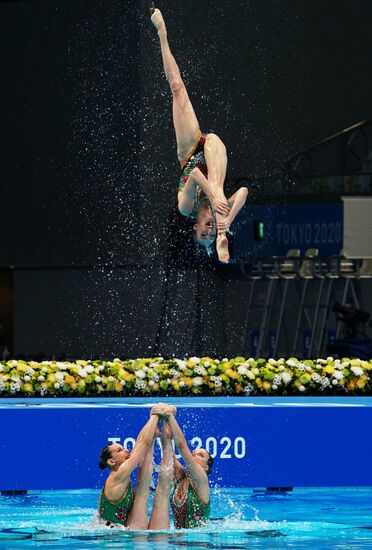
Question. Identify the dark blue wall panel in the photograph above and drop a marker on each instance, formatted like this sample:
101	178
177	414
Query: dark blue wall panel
322	443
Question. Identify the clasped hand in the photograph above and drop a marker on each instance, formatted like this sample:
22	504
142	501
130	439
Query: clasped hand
162	409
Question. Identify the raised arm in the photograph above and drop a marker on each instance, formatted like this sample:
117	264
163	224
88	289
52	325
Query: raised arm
141	446
197	473
236	202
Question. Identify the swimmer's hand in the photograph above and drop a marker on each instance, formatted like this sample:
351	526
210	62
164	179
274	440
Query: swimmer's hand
164	410
224	225
219	205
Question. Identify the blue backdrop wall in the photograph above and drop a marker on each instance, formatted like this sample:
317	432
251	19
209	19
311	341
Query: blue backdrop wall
256	442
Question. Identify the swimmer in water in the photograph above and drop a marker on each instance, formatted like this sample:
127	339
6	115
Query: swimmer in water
203	163
118	503
191	498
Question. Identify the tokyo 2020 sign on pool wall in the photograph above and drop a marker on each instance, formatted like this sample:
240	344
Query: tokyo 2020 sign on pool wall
252	446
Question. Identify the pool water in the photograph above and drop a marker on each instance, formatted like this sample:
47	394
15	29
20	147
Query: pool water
339	518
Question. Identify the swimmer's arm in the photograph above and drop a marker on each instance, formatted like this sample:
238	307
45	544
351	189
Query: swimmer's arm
236	201
196	471
218	201
186	197
142	445
179	470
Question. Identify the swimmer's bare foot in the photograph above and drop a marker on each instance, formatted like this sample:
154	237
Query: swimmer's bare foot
157	20
222	247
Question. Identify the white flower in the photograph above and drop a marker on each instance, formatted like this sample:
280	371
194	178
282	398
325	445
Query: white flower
122	382
224	360
99	379
140	384
14	387
101	368
277	380
198	381
308	368
44	369
338	375
286	377
181	364
182	384
334	382
200	370
140	374
217	361
207	364
248	389
274	387
59	376
89	369
358	371
30	371
195	360
272	362
41	378
27	378
316	377
82	372
302	388
242	370
217	382
111	379
175	373
325	381
151	383
281	368
1	368
330	359
62	366
57	386
291	363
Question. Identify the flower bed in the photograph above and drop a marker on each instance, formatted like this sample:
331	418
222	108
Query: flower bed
193	376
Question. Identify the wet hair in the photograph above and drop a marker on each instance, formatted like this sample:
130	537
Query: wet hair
105	454
210	464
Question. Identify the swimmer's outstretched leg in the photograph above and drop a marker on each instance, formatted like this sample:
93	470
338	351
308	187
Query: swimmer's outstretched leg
137	519
160	511
186	124
216	159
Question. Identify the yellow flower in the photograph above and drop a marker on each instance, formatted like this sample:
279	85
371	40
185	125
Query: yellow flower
188	381
361	382
69	379
329	369
125	375
266	386
118	387
232	374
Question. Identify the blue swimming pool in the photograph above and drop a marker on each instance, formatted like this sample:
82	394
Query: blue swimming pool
318	518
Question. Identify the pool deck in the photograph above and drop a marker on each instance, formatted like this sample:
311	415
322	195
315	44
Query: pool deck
189	402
